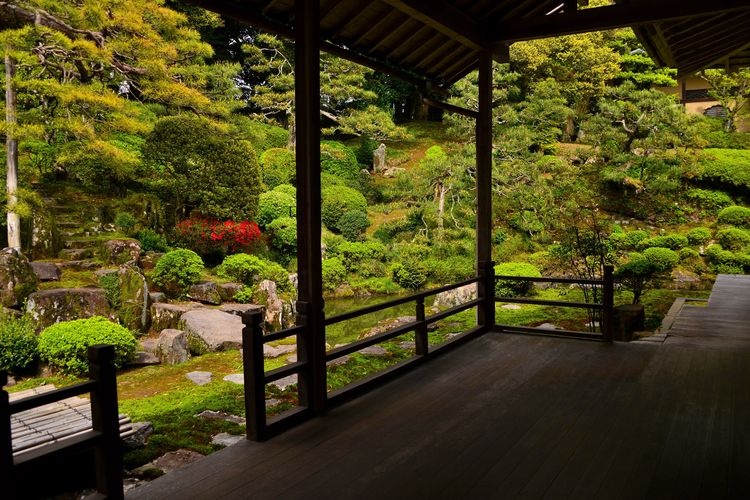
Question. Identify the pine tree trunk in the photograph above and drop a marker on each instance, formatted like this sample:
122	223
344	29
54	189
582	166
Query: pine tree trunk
11	147
441	210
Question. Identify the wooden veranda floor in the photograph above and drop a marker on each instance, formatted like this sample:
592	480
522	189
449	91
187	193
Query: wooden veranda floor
510	416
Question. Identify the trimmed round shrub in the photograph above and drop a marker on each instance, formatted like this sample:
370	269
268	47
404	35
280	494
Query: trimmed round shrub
627	240
450	270
735	216
18	344
709	199
662	259
352	253
671	241
275	204
688	254
733	238
288	189
177	270
334	273
411	274
338	200
278	167
64	345
353	225
337	159
151	241
283	235
249	269
699	235
513	288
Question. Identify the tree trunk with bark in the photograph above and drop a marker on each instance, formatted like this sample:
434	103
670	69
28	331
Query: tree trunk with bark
11	147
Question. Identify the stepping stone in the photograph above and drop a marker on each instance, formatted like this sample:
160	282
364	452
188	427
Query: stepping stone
272	402
549	326
270	351
175	460
513	307
199	378
235	378
220	415
226	439
374	350
339	361
285	382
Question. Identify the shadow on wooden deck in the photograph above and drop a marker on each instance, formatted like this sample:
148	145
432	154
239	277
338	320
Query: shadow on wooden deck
510	416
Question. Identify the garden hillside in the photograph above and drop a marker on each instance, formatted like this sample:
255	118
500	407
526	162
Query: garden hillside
151	198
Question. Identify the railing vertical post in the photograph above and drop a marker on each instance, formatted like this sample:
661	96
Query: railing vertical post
105	419
421	344
486	291
608	302
6	444
254	372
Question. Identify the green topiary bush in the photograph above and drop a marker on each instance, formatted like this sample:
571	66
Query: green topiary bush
334	273
662	259
709	199
688	254
177	270
512	288
283	236
275	204
627	240
278	167
64	345
450	270
353	225
151	241
353	253
125	223
735	216
338	200
18	344
671	241
337	159
727	166
249	270
699	235
410	274
733	238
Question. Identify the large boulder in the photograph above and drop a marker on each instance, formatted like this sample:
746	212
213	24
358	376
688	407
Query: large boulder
165	315
172	348
120	251
206	292
228	290
239	309
134	309
46	271
17	278
210	330
456	297
278	314
48	307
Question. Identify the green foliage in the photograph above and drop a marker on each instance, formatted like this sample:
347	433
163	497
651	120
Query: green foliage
263	136
334	273
353	224
125	222
733	238
18	344
354	253
662	259
278	167
198	165
110	283
409	274
671	241
365	150
249	270
177	270
735	216
644	270
708	199
732	90
724	261
726	167
64	345
514	288
339	160
273	205
449	270
338	200
283	235
151	241
699	235
688	255
628	240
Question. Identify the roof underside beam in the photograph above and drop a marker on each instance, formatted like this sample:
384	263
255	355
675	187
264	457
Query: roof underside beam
634	13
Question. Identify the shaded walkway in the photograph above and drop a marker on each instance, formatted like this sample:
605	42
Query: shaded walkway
511	416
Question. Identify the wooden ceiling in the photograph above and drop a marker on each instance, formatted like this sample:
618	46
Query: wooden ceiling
434	43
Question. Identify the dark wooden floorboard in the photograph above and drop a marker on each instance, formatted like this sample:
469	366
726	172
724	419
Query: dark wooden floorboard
509	416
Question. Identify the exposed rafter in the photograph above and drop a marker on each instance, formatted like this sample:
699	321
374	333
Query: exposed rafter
633	13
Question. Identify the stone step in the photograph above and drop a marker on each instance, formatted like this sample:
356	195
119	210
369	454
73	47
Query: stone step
68	224
80	265
76	253
81	243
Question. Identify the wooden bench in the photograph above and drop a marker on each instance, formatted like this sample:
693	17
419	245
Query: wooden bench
31	429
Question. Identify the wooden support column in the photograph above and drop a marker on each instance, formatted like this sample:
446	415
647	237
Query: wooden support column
311	342
485	265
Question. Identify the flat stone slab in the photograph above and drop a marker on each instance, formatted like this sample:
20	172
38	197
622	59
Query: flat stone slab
285	382
238	309
339	361
221	415
175	460
145	358
46	271
374	350
270	351
235	378
512	307
226	439
549	326
210	330
200	378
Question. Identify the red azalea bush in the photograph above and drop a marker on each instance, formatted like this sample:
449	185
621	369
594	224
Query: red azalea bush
205	235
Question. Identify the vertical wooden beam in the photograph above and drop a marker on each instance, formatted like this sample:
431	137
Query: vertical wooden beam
254	376
6	444
311	343
486	311
608	301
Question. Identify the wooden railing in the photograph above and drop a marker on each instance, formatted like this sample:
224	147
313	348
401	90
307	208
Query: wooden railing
103	437
260	427
606	306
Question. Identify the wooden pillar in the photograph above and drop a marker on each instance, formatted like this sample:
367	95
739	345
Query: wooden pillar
311	342
6	444
254	375
486	310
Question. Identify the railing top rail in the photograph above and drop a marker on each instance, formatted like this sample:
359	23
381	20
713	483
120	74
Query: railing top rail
575	281
397	302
